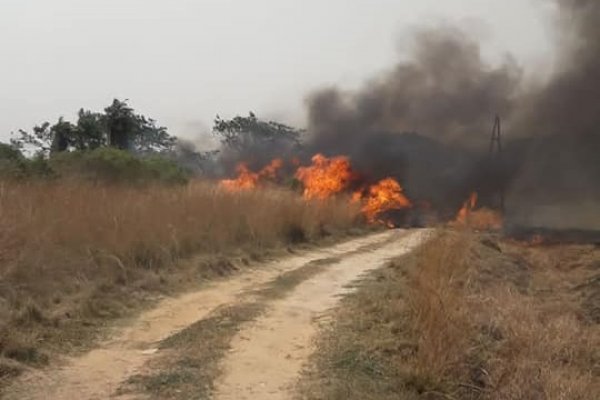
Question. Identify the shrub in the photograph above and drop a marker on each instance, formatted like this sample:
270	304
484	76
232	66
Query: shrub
163	170
12	163
72	252
108	165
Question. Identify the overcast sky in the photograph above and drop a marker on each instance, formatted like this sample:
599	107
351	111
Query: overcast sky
183	61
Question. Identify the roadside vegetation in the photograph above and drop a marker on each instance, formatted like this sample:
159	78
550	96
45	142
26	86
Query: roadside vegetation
100	217
467	317
74	255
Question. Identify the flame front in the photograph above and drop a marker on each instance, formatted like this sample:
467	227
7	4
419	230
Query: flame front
384	196
482	219
325	177
467	208
248	180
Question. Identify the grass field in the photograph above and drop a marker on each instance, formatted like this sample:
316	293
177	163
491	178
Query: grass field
75	256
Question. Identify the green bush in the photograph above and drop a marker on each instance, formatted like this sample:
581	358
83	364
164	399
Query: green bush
164	170
12	163
106	165
109	165
14	166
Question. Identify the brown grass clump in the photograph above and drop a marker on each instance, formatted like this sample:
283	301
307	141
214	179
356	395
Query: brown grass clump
501	326
468	317
71	253
435	300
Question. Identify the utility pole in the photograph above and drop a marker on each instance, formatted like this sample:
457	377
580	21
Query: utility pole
496	142
496	158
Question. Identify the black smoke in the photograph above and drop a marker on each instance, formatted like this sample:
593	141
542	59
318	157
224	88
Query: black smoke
560	170
421	122
447	96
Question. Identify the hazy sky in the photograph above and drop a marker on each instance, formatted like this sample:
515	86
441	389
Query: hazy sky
183	61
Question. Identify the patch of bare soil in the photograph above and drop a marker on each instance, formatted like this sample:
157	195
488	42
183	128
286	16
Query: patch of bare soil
467	316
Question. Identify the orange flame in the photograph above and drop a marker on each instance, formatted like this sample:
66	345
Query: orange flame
270	171
248	180
384	196
467	208
325	177
481	219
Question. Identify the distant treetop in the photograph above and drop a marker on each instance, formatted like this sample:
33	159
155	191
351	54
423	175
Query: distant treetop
118	127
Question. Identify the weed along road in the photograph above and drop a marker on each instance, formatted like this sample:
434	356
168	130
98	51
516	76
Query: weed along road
244	337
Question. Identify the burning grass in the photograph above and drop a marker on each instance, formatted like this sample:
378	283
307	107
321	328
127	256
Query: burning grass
327	178
248	180
382	197
73	255
466	317
477	218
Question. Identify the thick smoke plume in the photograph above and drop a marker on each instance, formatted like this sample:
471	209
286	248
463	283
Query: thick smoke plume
446	91
569	103
560	169
448	95
422	121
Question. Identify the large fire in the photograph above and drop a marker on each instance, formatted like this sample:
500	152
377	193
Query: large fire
482	218
382	197
325	177
248	180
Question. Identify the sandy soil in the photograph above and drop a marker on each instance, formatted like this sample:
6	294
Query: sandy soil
265	357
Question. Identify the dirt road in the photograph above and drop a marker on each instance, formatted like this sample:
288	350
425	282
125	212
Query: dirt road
266	355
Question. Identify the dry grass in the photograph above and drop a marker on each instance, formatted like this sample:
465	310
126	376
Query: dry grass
467	317
435	298
72	255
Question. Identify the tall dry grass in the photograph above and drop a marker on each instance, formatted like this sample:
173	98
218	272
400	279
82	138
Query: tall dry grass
67	250
436	300
490	325
466	316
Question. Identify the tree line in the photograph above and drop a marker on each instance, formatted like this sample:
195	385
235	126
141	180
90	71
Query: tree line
118	126
119	142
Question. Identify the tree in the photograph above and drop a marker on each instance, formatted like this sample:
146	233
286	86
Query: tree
14	166
62	134
46	138
121	124
249	132
39	140
118	126
151	138
91	129
130	131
